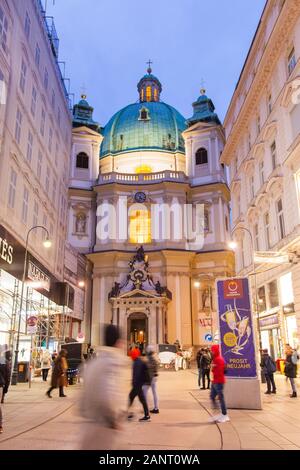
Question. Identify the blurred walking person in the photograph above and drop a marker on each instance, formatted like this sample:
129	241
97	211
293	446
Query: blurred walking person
103	400
46	364
290	369
152	365
198	360
140	377
205	363
217	387
5	372
268	366
59	374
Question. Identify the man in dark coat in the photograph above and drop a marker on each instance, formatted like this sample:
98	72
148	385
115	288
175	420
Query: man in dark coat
268	366
205	363
140	377
198	360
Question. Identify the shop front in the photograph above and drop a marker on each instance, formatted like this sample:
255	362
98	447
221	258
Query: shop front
271	335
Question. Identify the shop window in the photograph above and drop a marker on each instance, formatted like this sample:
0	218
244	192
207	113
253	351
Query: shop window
140	226
262	305
273	294
82	160
201	156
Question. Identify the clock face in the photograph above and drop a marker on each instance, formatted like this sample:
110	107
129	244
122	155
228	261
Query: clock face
140	197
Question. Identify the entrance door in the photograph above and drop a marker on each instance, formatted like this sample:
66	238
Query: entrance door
137	330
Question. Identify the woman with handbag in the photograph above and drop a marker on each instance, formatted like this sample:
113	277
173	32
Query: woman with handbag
290	369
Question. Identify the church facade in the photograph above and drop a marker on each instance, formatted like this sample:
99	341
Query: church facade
149	207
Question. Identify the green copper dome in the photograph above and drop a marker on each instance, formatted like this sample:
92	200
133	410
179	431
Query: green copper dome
147	125
160	130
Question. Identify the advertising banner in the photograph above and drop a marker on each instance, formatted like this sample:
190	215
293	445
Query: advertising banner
236	327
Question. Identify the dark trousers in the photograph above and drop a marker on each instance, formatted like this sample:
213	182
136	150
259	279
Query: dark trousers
199	377
270	382
45	374
217	391
61	390
205	373
138	392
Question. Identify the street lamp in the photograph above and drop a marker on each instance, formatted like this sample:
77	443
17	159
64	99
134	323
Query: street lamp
233	245
47	244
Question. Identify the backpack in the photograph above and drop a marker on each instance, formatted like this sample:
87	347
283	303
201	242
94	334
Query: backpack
272	366
295	358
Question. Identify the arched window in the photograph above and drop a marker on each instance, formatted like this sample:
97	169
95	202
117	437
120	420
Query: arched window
148	93
139	226
155	94
144	114
201	156
82	160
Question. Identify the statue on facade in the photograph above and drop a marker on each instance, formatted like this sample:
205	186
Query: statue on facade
115	292
81	223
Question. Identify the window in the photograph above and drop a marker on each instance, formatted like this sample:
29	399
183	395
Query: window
37	56
286	289
82	160
144	114
53	99
3	29
291	61
25	205
12	188
256	237
39	165
273	294
252	189
148	93
140	226
47	181
23	76
54	192
273	155
258	128
35	214
46	79
206	220
142	94
262	305
267	229
201	156
18	126
29	147
155	94
249	141
269	104
50	140
226	223
262	172
43	119
280	219
27	25
238	203
58	116
33	101
56	154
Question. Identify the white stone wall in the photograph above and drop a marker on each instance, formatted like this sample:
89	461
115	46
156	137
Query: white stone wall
48	192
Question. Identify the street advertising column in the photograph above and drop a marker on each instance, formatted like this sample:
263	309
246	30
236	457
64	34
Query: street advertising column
236	328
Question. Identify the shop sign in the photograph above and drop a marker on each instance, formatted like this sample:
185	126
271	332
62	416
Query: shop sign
35	274
6	249
272	320
236	327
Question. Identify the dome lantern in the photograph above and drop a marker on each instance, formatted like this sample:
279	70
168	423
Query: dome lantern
204	110
149	87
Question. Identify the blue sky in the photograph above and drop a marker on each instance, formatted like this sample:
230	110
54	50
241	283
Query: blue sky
106	43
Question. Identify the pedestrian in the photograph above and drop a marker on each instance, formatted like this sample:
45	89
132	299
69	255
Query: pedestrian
198	360
205	363
134	351
290	369
46	364
103	399
268	366
140	377
152	365
218	381
6	373
59	374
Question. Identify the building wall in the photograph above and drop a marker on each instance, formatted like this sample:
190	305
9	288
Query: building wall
261	120
45	180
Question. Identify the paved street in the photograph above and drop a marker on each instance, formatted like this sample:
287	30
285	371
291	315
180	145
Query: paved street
32	421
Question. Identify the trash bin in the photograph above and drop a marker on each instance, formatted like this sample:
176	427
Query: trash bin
23	372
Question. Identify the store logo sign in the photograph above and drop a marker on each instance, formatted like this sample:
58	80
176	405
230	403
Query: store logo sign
233	289
6	251
38	276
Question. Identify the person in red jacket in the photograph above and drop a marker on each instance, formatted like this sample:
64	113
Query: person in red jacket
218	371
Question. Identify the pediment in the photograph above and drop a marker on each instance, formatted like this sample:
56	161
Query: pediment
85	130
139	293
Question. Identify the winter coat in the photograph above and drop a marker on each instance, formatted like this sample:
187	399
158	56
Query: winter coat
5	371
198	359
267	364
205	361
59	373
140	373
46	361
152	366
290	369
218	365
105	387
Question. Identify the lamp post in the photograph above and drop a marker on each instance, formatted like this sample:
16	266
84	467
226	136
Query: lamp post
47	244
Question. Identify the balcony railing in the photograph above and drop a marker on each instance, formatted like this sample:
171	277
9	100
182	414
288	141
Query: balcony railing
143	178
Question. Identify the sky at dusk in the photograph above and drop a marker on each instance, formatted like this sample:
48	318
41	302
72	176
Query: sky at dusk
106	44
